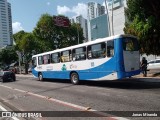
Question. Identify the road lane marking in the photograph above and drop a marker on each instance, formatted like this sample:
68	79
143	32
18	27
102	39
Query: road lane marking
78	107
4	110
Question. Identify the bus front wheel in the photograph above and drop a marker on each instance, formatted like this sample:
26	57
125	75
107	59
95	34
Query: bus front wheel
40	77
74	78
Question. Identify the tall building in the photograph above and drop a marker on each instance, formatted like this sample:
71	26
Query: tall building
5	24
119	17
72	20
83	22
94	10
99	27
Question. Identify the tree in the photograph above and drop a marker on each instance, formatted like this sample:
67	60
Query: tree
18	36
45	33
26	46
143	21
8	56
51	37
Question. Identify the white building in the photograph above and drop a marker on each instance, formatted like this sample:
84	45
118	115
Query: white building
5	24
83	22
94	10
72	20
119	18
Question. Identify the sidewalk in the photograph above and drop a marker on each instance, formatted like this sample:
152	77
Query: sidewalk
148	76
25	75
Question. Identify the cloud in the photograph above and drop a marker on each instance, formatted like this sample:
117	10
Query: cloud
63	10
17	27
80	9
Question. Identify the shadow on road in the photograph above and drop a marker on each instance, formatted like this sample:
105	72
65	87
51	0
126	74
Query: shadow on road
132	83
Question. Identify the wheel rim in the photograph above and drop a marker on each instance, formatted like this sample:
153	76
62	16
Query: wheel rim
74	78
40	77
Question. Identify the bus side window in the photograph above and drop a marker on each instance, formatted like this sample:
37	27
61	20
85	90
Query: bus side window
73	55
97	51
46	59
70	55
79	54
65	56
103	48
40	60
55	58
110	49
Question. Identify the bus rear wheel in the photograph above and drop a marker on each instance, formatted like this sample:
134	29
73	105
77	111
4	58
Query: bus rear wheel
40	77
74	78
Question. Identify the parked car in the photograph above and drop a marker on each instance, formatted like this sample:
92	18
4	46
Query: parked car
7	76
154	64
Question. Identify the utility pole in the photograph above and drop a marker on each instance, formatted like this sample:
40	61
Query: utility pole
112	18
109	28
77	33
19	60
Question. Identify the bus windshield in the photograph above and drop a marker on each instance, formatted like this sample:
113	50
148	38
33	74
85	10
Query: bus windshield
130	44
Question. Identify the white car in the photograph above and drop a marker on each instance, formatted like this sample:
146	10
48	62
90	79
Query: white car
154	64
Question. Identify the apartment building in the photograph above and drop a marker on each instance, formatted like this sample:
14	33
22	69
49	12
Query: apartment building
5	24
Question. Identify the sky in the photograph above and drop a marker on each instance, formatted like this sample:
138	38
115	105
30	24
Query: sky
26	13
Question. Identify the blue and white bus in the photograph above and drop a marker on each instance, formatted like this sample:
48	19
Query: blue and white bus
111	58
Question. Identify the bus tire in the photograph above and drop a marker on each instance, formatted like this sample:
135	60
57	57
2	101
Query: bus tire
74	78
40	77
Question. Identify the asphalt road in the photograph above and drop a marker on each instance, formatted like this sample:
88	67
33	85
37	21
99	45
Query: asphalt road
135	94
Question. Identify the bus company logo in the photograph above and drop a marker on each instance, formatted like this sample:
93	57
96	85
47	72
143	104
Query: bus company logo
73	66
64	68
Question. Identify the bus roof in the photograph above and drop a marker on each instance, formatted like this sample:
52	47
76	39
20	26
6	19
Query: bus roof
87	43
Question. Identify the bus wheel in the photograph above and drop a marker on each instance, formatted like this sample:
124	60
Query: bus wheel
40	77
74	78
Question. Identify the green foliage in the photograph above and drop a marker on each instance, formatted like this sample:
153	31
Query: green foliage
51	37
143	16
26	44
8	56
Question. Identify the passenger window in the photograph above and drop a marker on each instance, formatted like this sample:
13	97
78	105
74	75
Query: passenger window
46	59
110	48
55	58
96	51
40	60
79	54
66	56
